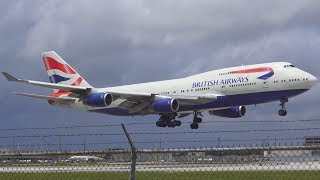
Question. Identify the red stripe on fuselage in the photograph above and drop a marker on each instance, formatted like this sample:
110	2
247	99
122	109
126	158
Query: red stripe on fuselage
254	70
50	63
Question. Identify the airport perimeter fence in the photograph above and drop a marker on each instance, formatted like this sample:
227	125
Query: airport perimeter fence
77	152
282	162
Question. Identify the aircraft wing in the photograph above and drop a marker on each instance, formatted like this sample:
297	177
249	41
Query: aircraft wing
75	89
133	101
136	101
184	99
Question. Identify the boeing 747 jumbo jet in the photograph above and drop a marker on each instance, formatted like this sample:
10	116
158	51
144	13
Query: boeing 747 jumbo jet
223	92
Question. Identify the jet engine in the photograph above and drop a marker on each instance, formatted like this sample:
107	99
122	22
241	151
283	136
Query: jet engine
167	105
232	112
98	99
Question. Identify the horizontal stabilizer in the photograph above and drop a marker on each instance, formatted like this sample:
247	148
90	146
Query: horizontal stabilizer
57	99
9	77
75	89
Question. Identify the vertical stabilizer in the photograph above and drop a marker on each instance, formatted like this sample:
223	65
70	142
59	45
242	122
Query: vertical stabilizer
60	72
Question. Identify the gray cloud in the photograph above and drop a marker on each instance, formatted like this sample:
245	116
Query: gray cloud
123	42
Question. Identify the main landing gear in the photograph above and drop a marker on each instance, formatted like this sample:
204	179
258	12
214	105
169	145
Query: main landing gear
283	111
168	121
196	120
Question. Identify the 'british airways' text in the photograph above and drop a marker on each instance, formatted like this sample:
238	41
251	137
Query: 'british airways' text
220	82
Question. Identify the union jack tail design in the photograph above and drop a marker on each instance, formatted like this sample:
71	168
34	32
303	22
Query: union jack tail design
60	72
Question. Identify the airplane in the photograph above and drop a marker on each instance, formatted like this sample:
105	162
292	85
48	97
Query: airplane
223	92
84	159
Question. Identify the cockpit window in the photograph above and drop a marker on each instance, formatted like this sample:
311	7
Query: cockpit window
285	66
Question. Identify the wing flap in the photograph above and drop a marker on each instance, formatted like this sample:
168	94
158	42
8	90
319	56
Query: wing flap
131	95
57	99
195	99
189	99
137	101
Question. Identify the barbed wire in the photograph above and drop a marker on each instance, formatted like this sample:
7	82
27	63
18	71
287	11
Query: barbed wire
260	121
58	144
150	142
62	135
60	127
153	123
225	131
162	133
235	121
223	140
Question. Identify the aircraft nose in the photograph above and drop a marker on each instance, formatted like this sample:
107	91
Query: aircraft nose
313	80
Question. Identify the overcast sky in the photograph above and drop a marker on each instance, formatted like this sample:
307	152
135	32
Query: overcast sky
122	42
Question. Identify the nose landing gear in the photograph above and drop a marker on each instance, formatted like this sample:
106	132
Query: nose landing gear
283	111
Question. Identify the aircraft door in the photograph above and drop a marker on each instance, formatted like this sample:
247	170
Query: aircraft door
223	88
265	84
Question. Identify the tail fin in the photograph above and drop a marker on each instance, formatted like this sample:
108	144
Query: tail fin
60	72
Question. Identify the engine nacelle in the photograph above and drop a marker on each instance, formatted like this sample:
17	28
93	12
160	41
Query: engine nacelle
98	99
233	112
165	105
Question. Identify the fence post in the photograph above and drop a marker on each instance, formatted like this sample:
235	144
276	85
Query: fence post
133	154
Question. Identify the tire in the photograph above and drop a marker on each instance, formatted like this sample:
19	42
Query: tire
194	125
282	112
178	123
160	124
171	124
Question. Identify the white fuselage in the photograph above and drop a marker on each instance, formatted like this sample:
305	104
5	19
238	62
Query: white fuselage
254	82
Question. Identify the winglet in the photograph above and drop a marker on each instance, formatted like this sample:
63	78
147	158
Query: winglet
9	77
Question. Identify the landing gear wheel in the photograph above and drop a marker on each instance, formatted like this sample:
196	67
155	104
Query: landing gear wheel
168	120
177	123
160	124
282	112
196	120
171	124
174	123
194	125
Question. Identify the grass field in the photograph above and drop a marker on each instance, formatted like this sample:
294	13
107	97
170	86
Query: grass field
167	175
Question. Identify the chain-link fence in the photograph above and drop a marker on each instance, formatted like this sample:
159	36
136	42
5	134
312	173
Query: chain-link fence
252	150
283	162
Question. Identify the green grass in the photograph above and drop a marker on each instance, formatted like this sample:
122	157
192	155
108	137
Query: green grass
167	175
